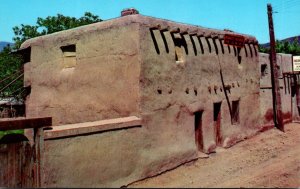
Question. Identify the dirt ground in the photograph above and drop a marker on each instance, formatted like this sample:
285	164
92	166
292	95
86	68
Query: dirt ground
269	159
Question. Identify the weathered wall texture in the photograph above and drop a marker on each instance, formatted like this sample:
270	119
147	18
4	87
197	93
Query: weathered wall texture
181	87
285	66
93	154
103	84
173	91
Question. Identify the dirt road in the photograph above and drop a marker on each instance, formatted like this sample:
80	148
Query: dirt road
270	159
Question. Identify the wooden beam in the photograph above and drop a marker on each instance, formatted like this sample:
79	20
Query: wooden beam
25	123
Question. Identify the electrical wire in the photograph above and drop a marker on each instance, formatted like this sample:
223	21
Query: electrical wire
2	89
6	78
11	94
286	6
286	3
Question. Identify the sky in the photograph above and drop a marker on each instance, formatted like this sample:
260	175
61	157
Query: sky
242	16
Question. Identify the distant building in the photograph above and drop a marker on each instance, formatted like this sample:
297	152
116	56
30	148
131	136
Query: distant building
289	89
11	107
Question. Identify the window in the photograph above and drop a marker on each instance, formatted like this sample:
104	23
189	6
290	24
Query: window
263	70
179	43
235	119
69	56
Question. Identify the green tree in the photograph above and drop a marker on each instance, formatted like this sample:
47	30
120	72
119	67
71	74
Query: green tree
263	49
284	47
294	48
10	72
50	25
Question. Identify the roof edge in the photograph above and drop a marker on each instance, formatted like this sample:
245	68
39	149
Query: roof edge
136	18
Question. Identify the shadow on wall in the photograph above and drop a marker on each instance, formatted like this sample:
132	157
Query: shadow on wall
13	138
179	41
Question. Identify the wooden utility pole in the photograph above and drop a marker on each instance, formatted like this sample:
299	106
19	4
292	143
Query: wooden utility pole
277	110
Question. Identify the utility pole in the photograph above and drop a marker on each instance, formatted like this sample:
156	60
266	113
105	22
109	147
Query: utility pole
277	110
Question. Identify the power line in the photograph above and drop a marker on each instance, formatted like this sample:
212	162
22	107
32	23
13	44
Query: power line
1	90
11	94
287	6
6	78
288	12
285	3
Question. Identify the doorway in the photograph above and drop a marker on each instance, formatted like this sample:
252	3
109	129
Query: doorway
217	122
198	130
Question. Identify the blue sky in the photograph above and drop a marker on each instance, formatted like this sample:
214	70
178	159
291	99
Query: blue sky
243	16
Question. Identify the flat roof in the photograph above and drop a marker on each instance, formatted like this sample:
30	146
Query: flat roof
126	20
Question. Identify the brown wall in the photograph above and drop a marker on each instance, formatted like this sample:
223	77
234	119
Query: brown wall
109	157
285	65
120	73
168	109
103	84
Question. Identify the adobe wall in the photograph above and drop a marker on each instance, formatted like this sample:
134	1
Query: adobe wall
172	91
285	65
122	70
104	153
104	82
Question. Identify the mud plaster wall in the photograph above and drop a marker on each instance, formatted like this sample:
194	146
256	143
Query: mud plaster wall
285	65
103	83
172	91
108	159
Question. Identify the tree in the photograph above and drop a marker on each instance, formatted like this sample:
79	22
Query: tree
51	24
10	72
284	47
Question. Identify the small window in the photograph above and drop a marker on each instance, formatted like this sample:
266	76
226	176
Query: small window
263	70
179	45
279	71
235	119
69	56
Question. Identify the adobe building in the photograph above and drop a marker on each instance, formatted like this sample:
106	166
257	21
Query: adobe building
289	89
135	96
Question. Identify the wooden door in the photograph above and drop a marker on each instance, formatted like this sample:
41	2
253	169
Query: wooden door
16	163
